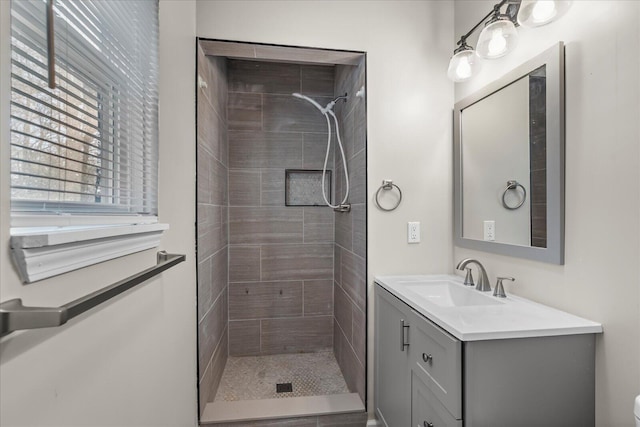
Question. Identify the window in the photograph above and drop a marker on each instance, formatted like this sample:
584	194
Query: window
89	147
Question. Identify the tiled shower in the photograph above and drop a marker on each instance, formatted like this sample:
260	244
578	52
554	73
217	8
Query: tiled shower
277	278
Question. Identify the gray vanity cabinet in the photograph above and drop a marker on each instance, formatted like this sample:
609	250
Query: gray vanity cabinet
510	382
392	378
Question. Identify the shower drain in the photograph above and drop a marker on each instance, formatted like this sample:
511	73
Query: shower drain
284	388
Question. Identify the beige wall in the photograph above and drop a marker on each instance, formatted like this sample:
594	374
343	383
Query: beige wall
408	109
133	360
600	278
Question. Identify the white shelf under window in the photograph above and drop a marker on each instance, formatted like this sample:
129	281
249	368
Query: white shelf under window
43	252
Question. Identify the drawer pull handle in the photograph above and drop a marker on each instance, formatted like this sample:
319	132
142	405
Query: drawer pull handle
427	424
427	357
403	344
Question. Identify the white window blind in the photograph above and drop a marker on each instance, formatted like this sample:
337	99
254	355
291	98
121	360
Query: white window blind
89	146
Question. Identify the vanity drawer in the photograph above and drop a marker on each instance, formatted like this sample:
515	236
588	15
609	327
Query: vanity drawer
436	358
426	409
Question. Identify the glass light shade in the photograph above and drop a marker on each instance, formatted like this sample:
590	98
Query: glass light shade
463	65
533	13
497	39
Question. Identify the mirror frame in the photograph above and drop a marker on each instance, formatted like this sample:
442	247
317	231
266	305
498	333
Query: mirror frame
553	58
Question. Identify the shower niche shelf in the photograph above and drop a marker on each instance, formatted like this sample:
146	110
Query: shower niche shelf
304	187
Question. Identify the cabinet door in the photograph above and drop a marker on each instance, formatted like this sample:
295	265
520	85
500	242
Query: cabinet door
426	409
392	372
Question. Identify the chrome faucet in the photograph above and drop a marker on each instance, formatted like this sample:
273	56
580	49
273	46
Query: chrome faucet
483	282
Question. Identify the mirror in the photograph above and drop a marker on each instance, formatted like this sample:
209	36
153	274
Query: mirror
509	163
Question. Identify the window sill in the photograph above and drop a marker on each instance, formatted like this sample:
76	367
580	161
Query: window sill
43	252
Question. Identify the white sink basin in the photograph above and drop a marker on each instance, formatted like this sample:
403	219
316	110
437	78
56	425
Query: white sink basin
450	294
471	315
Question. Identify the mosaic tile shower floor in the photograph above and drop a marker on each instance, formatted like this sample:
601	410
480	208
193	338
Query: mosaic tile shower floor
255	377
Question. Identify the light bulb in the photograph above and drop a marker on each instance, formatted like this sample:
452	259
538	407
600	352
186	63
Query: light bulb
533	13
498	44
543	11
463	65
497	39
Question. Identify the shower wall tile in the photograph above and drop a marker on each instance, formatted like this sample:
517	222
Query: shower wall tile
337	264
318	297
245	111
359	216
344	231
205	299
264	150
318	233
211	329
317	80
204	159
244	337
211	237
257	300
295	335
343	311
360	126
213	372
209	128
315	149
359	339
272	187
297	262
284	113
264	77
244	187
244	263
357	178
354	277
219	180
219	272
352	370
265	225
318	214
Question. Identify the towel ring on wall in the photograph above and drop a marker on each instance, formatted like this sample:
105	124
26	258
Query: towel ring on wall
513	185
388	184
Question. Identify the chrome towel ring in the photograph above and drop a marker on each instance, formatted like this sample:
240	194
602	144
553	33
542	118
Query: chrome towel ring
513	185
388	184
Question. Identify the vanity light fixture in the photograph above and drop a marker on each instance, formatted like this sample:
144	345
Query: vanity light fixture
499	35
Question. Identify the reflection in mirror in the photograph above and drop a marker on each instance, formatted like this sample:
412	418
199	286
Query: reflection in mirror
509	163
504	164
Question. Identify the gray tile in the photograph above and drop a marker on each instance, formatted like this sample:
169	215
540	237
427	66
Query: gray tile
244	337
285	113
219	271
339	181
264	150
358	214
359	126
259	300
297	262
353	274
343	312
318	297
204	159
218	183
244	263
347	126
315	150
313	214
208	127
294	335
245	111
357	178
211	329
318	233
272	187
225	225
264	77
244	188
354	372
265	225
204	288
211	233
317	80
344	420
344	232
210	378
359	340
337	264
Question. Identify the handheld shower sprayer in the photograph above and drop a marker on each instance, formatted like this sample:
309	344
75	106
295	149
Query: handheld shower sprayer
326	112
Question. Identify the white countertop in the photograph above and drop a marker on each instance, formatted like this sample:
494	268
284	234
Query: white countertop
511	317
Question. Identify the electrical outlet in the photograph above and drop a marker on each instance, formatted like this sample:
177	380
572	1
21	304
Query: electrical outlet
413	232
490	230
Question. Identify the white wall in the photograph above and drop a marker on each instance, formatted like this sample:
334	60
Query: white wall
133	360
408	109
601	276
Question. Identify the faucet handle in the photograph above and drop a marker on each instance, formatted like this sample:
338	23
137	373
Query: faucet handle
499	290
468	278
